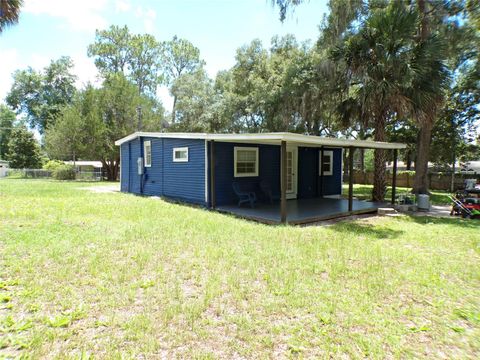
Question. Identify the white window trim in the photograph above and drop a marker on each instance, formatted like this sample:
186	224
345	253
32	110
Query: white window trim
145	143
235	150
327	153
180	149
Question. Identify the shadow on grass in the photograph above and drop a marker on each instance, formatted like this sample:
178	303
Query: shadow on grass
367	229
454	220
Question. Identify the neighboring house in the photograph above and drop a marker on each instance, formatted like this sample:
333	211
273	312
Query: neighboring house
3	168
179	166
87	170
86	165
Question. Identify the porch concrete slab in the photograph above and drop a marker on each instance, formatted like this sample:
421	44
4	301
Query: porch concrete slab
302	211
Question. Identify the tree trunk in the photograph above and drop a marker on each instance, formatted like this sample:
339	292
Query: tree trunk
111	167
408	161
379	178
345	161
424	28
454	157
362	160
425	132
173	109
423	154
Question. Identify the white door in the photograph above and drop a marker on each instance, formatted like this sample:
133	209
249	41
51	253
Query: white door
292	167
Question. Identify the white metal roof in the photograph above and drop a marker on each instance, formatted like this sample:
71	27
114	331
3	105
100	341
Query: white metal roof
269	138
95	164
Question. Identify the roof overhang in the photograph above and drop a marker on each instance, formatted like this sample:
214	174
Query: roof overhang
270	138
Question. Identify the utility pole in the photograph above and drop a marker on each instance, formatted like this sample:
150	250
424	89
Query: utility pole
139	114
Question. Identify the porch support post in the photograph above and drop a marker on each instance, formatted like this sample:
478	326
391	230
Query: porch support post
213	200
283	182
394	175
350	178
321	171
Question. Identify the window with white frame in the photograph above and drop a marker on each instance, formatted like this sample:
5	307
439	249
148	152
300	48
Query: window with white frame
245	161
180	154
147	153
327	163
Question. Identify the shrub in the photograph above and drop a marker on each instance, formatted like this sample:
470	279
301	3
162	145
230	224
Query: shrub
52	165
64	172
410	173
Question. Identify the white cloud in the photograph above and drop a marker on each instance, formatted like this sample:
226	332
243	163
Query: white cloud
82	15
85	70
122	6
149	16
12	61
165	97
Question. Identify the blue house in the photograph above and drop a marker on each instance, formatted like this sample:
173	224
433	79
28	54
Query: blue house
295	178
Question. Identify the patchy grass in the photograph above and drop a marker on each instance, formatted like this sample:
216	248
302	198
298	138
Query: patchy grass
437	197
115	275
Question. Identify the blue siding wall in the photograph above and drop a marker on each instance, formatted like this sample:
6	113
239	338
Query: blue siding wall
134	178
308	173
268	170
153	176
124	167
332	185
307	170
184	180
179	180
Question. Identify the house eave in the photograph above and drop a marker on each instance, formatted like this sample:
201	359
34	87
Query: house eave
270	138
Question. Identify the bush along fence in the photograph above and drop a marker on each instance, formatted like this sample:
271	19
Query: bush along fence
62	173
436	181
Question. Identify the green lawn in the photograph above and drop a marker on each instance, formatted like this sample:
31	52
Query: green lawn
115	275
437	197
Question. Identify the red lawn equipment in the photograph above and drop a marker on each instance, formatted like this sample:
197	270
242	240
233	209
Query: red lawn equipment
465	205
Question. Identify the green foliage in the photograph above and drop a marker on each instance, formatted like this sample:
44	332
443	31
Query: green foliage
41	96
64	172
179	56
7	121
195	100
66	138
137	57
52	165
9	13
369	164
111	50
128	268
23	149
89	127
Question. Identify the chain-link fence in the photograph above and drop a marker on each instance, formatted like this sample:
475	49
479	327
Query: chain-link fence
93	175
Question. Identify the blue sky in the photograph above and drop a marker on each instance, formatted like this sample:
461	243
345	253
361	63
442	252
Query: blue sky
49	29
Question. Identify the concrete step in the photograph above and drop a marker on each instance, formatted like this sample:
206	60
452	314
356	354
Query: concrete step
386	211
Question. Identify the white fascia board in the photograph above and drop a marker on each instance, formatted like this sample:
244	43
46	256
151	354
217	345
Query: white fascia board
161	135
298	139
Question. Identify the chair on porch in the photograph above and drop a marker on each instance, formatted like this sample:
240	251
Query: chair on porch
244	196
266	190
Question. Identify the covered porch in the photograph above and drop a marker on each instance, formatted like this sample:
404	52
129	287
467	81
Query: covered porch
301	211
274	152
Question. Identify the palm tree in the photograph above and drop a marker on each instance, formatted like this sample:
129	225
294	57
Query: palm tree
428	91
9	12
377	59
390	74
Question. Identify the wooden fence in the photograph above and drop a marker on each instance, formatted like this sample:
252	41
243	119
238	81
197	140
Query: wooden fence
436	181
